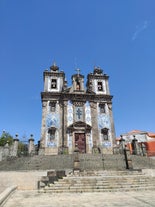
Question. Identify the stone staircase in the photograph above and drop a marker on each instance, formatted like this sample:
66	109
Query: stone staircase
101	181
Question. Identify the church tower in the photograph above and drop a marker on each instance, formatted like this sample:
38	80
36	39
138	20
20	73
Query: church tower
76	115
97	83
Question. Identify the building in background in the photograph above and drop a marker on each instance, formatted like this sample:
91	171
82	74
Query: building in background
76	116
139	142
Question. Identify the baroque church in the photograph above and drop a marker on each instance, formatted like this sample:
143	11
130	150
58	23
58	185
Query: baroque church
76	116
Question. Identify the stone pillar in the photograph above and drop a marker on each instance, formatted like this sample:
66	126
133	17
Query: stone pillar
76	160
6	150
95	149
43	128
1	154
31	148
134	145
89	143
15	146
70	142
122	144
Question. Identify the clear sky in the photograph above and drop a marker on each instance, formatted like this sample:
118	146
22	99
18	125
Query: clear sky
117	35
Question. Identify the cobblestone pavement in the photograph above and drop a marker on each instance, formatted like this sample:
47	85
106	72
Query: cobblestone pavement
2	189
116	199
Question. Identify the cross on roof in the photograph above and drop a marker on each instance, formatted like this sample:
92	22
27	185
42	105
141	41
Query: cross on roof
78	71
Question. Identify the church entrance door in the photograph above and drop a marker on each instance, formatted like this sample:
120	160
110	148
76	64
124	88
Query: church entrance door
80	141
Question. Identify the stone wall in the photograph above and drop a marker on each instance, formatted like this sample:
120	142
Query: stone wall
12	151
5	152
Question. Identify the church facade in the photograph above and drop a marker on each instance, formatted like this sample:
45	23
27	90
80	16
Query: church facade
76	116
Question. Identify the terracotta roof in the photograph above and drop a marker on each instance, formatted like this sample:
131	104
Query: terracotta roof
118	138
135	131
151	134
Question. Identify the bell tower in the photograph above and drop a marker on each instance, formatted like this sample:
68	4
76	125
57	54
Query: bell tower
54	79
54	85
97	82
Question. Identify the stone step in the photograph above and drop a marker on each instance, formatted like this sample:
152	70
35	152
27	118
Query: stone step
78	190
102	184
99	187
107	172
102	181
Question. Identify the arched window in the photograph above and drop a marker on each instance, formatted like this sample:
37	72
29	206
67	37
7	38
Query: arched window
51	133
52	106
104	133
102	108
77	86
53	83
100	86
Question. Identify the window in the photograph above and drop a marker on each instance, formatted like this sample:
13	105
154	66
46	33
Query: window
51	134
100	86
105	133
102	108
52	106
77	86
53	83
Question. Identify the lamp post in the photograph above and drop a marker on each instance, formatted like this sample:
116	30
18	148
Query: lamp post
128	162
134	145
122	141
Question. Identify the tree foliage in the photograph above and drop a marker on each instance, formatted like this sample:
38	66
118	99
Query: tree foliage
6	138
22	148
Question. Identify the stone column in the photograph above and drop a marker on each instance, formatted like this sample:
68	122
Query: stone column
1	154
31	148
6	150
135	145
43	129
76	167
15	146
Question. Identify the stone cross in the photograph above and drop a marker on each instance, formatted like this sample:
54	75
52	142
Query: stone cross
79	113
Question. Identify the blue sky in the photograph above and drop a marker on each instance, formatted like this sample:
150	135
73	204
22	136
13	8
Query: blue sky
117	35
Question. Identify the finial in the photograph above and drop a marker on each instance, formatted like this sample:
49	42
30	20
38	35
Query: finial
97	70
54	67
54	63
78	71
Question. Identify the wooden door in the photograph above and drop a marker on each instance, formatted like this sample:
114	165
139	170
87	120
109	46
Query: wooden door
80	141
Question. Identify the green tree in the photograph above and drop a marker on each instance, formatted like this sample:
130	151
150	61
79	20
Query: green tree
22	149
6	138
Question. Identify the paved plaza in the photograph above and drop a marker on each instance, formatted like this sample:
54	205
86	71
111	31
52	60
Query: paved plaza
108	199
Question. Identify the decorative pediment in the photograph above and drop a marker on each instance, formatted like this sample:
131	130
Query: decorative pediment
52	129
79	124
